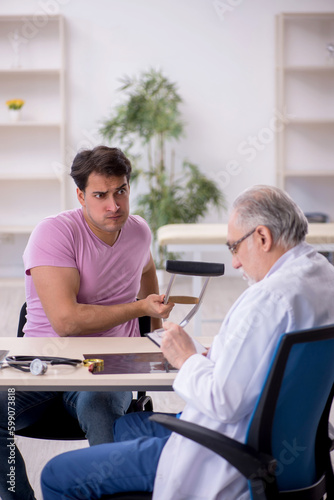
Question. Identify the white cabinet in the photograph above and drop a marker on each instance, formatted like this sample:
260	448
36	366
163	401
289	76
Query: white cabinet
305	95
32	151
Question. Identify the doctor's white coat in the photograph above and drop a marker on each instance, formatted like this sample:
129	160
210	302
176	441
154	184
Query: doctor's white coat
221	389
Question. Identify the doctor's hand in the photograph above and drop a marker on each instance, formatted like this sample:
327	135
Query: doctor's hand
154	306
177	346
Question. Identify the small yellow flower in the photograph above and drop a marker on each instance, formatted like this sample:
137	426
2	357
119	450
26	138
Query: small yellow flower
15	103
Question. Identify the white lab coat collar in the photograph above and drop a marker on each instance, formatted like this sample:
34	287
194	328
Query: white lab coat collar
292	254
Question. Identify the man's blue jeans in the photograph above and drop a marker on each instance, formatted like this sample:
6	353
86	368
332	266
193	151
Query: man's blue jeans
95	411
127	464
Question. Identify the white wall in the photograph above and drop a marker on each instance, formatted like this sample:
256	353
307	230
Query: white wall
221	53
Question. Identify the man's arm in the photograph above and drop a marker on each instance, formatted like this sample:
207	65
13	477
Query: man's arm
148	285
57	288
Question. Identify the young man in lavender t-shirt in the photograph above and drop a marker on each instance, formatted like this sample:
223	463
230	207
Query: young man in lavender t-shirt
85	269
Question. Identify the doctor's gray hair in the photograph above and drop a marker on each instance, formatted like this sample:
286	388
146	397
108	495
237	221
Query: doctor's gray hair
273	208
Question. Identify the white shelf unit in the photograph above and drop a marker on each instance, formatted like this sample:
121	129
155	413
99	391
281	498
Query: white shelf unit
305	96
32	150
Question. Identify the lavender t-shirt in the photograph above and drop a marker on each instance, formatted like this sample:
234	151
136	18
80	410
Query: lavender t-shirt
108	274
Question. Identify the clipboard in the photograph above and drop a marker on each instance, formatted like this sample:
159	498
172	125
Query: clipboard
157	335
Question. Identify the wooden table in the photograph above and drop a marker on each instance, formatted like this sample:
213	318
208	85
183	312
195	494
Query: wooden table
69	378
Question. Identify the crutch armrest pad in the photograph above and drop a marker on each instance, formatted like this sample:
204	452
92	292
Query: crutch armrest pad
195	268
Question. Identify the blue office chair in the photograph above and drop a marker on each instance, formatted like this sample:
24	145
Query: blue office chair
292	413
56	422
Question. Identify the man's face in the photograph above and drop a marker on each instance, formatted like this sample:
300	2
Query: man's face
247	255
105	204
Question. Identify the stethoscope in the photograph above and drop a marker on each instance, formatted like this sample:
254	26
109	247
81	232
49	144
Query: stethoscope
38	366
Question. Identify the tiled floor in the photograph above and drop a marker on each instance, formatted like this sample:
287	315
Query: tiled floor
221	294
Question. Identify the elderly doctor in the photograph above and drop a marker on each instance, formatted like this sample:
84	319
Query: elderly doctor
292	289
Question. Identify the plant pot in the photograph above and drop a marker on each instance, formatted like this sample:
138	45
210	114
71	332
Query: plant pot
14	115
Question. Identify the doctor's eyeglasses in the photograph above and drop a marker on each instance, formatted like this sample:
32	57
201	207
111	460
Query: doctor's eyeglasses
233	248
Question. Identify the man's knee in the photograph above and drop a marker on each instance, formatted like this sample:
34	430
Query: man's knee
136	425
49	478
58	480
97	401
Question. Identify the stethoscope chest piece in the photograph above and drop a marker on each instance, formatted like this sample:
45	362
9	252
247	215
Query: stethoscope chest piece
38	367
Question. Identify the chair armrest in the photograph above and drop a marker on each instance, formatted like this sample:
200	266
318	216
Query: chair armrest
248	461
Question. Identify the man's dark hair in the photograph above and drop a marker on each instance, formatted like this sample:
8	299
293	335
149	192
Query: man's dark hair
101	160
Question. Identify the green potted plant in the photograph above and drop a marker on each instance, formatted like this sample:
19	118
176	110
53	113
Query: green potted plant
150	116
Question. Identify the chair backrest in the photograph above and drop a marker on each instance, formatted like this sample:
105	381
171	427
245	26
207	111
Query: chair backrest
290	420
22	320
144	325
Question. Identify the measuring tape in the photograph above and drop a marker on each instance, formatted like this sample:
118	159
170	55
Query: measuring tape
94	365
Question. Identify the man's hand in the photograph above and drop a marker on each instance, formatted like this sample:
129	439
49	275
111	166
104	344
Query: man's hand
176	345
155	307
